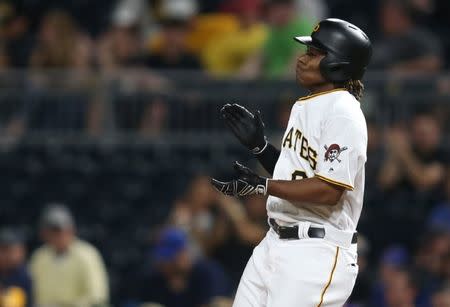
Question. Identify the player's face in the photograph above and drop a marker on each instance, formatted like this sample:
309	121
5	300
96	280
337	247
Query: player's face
308	71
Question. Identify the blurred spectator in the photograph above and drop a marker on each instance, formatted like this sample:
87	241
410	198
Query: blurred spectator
433	251
206	28
401	290
314	10
173	53
417	158
155	118
226	54
203	28
120	46
178	278
15	35
277	59
434	14
66	271
176	9
412	175
60	44
244	226
404	46
394	260
197	213
93	18
431	263
442	297
140	12
15	281
172	50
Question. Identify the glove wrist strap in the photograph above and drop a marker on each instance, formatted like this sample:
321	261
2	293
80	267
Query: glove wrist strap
261	189
258	150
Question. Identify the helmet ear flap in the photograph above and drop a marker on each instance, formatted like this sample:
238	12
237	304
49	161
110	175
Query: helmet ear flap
335	71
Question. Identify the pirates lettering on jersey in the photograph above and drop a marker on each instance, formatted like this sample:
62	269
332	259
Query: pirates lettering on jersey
296	137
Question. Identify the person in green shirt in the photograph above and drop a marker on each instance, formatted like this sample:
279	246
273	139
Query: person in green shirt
278	54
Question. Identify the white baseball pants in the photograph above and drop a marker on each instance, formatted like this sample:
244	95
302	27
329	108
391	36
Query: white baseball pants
297	273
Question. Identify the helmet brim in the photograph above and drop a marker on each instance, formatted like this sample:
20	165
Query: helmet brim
308	41
305	40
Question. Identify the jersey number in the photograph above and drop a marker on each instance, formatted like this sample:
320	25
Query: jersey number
296	175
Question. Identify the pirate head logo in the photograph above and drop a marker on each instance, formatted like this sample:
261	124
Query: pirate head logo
333	151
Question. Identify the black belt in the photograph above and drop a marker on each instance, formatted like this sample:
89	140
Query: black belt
291	232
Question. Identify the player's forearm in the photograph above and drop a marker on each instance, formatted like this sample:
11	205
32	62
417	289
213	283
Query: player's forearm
268	158
310	190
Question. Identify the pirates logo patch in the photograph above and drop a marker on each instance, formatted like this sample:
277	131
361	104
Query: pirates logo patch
333	151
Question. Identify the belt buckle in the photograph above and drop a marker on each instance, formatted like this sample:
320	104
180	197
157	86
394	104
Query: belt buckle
283	231
277	227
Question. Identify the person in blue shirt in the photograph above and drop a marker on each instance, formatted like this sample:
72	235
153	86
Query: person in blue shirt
15	281
176	277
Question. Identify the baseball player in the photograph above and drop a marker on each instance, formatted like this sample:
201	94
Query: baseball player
308	257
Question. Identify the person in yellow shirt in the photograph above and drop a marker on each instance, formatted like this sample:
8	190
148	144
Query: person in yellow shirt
66	271
225	55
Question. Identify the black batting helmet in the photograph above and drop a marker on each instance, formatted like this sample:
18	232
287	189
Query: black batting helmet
347	47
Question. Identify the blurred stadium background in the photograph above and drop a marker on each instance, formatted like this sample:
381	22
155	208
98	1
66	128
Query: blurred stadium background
110	128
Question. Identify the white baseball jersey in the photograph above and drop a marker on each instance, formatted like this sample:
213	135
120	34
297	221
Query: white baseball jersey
326	137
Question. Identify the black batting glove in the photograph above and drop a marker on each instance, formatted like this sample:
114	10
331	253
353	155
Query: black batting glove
246	126
246	183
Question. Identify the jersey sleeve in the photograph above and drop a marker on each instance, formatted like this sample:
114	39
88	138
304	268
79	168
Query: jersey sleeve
342	151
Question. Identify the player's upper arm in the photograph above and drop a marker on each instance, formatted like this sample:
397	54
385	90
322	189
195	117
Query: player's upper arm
342	150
